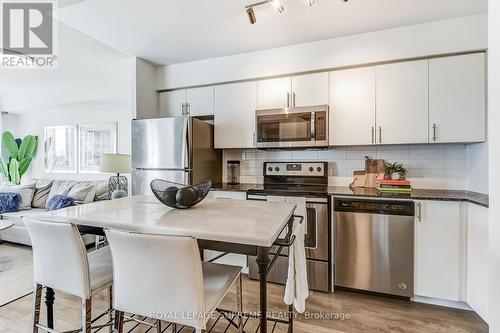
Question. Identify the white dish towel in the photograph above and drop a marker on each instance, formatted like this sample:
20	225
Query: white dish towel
297	288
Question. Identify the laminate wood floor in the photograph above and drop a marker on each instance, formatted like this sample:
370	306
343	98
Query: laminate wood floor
360	313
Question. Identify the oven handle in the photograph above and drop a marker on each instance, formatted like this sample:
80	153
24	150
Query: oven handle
313	126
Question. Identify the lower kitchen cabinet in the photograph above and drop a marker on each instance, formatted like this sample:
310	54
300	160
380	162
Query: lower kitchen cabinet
231	258
477	259
439	250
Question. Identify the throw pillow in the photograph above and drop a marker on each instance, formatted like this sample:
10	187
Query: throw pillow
25	191
9	202
59	201
101	190
82	193
42	190
60	187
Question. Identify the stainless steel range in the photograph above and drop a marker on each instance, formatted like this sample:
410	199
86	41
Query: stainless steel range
304	183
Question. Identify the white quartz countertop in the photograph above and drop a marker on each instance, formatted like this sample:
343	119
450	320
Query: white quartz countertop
256	223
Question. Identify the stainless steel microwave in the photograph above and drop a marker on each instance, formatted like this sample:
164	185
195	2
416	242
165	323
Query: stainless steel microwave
292	127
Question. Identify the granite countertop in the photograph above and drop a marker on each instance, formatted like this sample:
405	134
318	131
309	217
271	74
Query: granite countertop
416	194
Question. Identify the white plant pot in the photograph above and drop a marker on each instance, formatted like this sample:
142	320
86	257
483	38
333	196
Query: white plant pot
395	176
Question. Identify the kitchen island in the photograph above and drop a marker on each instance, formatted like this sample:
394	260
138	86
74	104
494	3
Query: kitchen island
242	227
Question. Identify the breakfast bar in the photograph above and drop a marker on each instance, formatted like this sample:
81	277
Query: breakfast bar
242	227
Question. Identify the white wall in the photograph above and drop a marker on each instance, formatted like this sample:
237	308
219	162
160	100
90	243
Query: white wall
494	160
441	37
145	90
477	168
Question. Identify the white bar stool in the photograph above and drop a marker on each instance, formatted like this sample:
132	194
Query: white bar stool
61	262
162	277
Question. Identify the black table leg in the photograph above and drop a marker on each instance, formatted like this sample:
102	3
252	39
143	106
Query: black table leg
49	303
263	263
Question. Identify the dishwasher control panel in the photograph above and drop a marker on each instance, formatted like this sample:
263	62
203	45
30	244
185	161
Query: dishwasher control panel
386	207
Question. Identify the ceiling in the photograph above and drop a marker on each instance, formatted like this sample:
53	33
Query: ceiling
175	31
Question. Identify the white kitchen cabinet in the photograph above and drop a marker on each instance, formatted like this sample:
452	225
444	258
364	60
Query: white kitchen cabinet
274	93
230	258
402	102
457	99
477	259
234	118
439	266
171	103
352	107
310	89
200	101
193	101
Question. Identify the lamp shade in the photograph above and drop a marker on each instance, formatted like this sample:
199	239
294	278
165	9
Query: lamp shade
115	163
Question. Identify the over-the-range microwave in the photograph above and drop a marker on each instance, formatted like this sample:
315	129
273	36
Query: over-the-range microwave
292	127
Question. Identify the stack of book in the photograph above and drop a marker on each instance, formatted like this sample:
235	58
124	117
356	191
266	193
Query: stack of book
388	186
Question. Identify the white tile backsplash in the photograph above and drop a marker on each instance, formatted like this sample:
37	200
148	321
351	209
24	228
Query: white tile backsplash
450	166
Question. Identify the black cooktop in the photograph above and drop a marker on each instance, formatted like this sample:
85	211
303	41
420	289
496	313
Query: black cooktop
290	190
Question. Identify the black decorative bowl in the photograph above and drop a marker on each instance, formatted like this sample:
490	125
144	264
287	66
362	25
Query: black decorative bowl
178	195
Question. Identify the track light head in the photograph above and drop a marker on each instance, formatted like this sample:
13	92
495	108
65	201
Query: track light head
312	2
251	15
279	6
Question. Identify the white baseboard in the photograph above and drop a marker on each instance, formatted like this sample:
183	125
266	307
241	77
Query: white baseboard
441	302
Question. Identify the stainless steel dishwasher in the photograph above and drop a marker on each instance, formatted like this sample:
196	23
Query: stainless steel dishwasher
374	245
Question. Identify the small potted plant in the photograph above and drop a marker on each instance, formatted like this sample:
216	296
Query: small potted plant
395	171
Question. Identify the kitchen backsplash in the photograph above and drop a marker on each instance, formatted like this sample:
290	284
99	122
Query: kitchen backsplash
450	166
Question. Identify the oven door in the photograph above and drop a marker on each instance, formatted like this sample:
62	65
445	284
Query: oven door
296	127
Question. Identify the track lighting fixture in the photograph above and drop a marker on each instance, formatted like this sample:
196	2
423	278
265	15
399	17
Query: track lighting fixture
311	2
251	15
279	6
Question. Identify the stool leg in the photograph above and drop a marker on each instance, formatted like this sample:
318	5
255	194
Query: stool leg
158	326
239	303
110	309
118	321
86	315
37	300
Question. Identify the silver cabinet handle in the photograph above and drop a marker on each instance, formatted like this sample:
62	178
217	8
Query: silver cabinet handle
433	132
287	99
293	99
188	108
373	134
380	134
419	214
182	109
254	139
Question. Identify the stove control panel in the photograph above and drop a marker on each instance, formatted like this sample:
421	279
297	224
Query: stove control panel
312	169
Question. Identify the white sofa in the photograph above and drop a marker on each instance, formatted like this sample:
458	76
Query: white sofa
18	233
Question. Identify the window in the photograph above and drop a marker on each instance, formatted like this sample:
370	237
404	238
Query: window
95	140
60	149
79	148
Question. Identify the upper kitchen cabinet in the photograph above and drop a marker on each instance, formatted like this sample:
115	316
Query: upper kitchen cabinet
352	107
310	89
402	102
274	93
193	102
172	103
235	106
457	99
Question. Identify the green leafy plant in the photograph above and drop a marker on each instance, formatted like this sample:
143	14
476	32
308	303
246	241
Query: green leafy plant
20	156
396	167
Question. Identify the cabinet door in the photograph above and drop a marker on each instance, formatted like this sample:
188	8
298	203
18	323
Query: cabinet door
402	102
235	106
200	101
477	259
457	99
311	89
437	250
171	103
352	107
274	93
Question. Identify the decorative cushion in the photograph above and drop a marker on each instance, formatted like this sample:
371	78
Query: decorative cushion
60	187
101	190
42	190
9	202
59	201
82	193
25	191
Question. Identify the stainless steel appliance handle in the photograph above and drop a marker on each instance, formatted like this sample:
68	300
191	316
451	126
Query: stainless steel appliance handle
293	99
313	126
380	134
185	144
419	214
182	109
373	134
188	108
287	99
433	132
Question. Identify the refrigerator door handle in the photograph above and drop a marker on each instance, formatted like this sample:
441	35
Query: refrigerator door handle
185	145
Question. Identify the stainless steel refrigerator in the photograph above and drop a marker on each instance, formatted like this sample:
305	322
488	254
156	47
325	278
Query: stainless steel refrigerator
179	149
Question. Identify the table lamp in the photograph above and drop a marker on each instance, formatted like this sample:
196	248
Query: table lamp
116	163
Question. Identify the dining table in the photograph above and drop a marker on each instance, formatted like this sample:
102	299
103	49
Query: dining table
230	226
